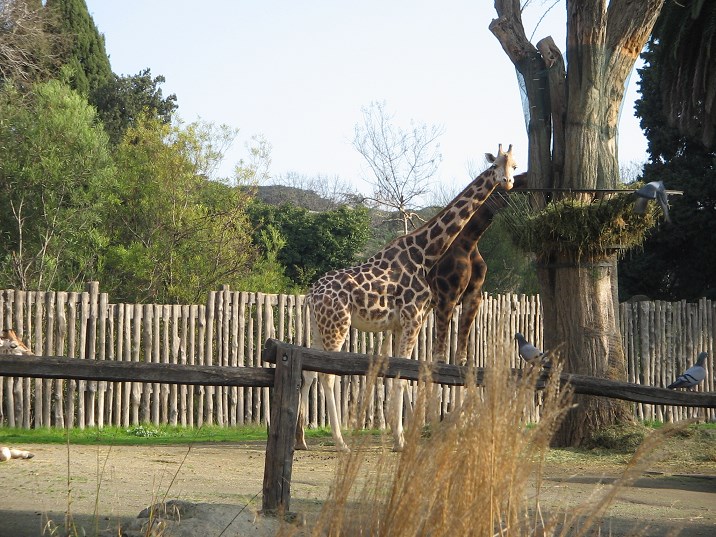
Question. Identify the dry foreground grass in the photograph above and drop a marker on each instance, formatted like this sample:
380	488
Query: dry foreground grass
675	493
482	471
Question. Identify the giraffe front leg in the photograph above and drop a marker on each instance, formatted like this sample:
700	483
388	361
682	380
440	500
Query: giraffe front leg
471	299
308	378
396	401
442	325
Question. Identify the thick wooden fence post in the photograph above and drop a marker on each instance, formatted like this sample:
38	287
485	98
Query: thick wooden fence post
281	438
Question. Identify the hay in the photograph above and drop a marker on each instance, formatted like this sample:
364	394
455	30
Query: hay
575	228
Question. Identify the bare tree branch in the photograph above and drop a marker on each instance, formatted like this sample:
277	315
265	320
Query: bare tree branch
27	51
402	162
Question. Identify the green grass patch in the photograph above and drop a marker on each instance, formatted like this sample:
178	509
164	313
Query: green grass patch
144	434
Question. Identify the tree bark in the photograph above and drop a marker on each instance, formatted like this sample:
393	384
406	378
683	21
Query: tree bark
580	309
580	315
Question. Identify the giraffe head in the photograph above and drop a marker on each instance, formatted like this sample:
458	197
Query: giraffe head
504	166
11	344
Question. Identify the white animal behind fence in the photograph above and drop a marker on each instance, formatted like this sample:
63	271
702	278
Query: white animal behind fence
11	344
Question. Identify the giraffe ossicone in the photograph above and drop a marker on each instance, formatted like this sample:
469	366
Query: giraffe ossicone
390	292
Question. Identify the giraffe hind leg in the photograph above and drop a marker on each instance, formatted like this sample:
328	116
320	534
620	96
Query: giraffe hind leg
309	378
327	383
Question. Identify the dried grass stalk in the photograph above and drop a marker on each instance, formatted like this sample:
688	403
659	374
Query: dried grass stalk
471	475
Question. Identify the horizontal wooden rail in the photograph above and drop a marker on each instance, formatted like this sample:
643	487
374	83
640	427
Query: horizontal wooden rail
53	367
349	363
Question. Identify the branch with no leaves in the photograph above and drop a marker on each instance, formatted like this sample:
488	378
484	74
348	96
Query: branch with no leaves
401	162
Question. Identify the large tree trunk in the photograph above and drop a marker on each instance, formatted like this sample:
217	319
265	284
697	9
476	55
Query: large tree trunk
581	315
580	308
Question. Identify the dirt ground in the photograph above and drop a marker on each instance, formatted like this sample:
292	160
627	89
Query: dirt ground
36	491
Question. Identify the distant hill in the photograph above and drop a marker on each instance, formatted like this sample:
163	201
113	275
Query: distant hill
279	194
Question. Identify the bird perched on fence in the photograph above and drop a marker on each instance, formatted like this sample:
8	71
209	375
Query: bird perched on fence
693	375
652	191
529	353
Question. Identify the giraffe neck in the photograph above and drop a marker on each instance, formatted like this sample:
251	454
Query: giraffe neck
482	219
430	241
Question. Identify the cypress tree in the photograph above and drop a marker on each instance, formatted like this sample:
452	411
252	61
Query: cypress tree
86	56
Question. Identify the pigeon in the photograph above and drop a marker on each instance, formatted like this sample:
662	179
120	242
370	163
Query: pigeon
528	352
652	191
693	375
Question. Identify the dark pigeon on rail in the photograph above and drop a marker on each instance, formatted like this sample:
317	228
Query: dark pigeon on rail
528	352
693	375
652	191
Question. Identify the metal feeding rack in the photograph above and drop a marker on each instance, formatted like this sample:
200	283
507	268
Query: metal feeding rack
597	193
542	196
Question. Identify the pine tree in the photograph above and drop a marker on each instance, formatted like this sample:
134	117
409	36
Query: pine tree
86	58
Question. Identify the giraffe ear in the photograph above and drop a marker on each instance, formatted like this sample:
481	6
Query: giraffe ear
490	157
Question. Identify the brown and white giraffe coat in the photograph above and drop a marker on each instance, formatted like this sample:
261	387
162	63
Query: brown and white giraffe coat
11	344
460	274
390	291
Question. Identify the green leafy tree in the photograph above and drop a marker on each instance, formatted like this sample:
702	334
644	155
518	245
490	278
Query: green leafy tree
122	100
86	58
677	261
56	182
682	45
267	274
176	234
314	242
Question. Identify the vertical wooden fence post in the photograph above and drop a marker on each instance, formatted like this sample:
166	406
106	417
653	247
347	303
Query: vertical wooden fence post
281	438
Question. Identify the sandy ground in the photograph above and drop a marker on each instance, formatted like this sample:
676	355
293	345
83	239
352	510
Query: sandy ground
119	482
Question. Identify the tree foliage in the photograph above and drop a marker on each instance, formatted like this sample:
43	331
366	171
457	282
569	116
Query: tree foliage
683	45
86	60
176	234
677	261
122	100
314	242
56	179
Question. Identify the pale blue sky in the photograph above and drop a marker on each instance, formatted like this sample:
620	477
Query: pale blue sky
299	74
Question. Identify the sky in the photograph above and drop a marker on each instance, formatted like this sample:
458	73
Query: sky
300	73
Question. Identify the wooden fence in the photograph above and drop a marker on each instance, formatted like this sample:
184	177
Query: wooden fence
661	339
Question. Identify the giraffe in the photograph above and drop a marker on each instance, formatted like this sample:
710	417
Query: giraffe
458	276
390	292
11	344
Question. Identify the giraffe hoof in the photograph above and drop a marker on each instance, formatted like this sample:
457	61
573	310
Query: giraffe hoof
301	446
343	448
397	448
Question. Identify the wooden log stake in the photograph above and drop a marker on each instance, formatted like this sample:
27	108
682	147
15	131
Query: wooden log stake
280	446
